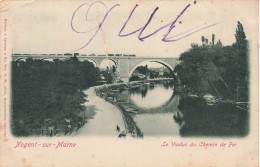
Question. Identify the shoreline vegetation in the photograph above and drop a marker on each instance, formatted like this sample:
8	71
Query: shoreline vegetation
47	96
212	68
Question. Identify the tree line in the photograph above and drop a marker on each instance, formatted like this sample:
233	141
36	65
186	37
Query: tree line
44	90
220	70
149	73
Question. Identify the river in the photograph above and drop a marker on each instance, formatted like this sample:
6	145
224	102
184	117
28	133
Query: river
155	103
154	109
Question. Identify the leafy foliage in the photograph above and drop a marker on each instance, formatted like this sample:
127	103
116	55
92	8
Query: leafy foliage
48	90
216	69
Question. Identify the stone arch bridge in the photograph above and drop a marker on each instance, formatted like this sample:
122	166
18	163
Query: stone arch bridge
125	64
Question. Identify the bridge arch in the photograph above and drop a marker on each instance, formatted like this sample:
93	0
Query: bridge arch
151	60
91	61
108	59
20	59
47	59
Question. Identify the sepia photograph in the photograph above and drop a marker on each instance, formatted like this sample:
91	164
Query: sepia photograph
204	92
166	77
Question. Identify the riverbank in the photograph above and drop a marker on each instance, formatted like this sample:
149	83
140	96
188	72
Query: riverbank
110	94
106	119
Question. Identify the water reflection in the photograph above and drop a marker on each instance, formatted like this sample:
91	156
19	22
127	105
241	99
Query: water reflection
152	95
151	86
178	118
167	85
157	124
141	90
155	104
221	119
161	112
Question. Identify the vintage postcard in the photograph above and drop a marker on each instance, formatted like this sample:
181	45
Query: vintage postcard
129	83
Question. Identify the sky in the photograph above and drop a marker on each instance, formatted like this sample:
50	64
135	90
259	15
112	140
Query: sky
45	26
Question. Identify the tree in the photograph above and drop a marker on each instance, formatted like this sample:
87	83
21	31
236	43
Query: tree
213	68
113	69
241	62
240	35
213	39
107	75
142	69
43	89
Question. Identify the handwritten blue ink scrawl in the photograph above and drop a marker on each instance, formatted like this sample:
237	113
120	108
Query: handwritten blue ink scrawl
166	37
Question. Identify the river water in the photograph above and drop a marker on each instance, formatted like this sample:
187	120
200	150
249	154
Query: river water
155	103
156	110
